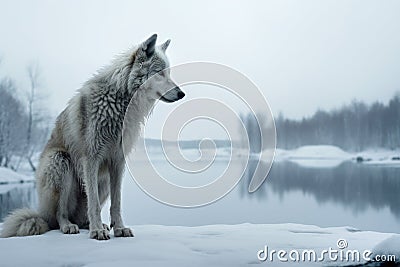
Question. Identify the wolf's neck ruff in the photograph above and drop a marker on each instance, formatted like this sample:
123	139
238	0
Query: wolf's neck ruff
110	104
120	89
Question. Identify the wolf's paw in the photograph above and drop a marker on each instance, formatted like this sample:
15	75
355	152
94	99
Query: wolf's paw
70	229
100	234
106	227
123	232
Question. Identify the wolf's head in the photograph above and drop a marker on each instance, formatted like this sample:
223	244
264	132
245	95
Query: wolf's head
151	64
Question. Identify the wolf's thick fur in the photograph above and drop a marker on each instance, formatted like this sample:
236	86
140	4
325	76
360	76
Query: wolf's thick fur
83	162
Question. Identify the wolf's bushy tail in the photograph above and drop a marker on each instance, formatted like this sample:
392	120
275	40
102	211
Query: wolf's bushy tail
23	222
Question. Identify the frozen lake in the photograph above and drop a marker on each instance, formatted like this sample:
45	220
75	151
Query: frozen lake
351	194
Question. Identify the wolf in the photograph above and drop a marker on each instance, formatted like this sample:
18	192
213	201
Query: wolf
83	161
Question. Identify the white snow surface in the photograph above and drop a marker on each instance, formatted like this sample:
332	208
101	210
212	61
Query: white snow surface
212	245
389	246
8	176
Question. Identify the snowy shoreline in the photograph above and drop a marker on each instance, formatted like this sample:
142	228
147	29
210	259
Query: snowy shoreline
332	156
8	176
211	245
306	156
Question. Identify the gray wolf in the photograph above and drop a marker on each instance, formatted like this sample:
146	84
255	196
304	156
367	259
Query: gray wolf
83	162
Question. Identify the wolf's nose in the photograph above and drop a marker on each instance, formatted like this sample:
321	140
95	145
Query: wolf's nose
181	94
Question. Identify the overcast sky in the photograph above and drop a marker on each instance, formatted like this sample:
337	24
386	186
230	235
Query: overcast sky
303	55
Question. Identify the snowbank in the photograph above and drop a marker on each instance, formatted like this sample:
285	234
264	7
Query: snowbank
390	246
8	176
153	245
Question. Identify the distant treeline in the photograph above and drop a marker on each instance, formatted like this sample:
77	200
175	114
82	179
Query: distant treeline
353	127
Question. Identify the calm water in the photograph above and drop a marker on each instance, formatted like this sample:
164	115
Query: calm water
15	196
365	197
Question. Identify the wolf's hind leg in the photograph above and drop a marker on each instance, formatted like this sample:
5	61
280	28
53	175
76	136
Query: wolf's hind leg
62	211
63	163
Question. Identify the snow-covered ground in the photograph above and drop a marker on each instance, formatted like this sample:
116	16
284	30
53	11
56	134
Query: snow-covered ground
8	176
213	245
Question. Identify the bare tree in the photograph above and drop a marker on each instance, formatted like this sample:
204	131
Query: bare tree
34	79
23	127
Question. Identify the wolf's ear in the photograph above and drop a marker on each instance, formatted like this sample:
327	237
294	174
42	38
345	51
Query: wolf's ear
149	45
165	45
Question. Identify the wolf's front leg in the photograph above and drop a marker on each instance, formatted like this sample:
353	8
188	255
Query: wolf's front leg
116	170
97	231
